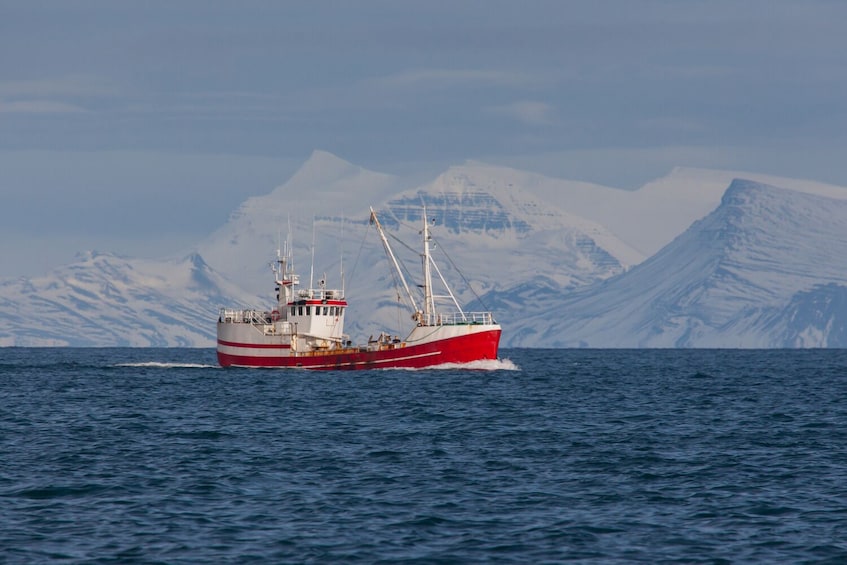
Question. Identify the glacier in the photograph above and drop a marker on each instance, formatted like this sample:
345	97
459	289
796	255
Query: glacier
698	258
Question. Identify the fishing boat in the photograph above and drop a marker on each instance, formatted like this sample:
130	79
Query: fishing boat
305	327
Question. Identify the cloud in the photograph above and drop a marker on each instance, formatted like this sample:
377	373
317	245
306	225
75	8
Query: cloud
527	112
59	87
59	95
39	107
674	124
454	77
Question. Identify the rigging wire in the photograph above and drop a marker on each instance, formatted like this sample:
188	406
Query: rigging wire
402	263
444	251
461	274
408	273
359	253
394	275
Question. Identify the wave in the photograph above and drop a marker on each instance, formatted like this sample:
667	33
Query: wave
163	365
482	365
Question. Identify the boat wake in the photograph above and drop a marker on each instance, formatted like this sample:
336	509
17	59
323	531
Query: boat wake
161	365
481	365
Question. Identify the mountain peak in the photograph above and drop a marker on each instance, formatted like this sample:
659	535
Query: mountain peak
741	185
328	174
324	160
741	192
749	274
323	168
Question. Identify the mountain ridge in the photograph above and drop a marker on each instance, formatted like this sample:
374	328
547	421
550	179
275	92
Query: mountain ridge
748	264
720	283
107	300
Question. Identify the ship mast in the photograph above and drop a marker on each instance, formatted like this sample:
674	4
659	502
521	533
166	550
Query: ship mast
374	220
284	275
429	300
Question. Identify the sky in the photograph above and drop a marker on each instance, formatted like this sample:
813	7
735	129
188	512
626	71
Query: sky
136	128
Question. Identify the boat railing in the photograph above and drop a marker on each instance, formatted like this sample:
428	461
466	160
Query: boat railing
459	318
247	316
320	294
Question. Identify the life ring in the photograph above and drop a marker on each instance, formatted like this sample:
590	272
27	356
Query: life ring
275	315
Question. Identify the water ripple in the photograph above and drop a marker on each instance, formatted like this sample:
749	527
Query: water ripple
157	456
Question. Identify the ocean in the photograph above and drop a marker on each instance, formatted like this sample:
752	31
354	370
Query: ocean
579	456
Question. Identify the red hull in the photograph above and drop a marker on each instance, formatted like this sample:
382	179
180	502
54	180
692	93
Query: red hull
460	349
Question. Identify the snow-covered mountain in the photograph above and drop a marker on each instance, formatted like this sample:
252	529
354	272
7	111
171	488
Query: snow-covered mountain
767	268
561	263
325	185
104	300
493	228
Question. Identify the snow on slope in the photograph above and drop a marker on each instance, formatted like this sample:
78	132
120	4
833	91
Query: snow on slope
493	208
522	239
334	192
324	185
646	219
492	227
753	273
104	300
649	218
499	235
684	196
495	229
548	256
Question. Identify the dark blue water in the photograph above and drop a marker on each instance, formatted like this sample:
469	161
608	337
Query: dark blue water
157	456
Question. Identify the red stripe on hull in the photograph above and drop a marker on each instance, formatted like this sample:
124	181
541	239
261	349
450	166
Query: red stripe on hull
254	345
459	349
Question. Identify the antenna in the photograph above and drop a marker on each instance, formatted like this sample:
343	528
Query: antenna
341	260
312	270
290	244
278	274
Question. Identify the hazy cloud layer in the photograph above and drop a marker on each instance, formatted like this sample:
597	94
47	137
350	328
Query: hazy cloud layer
398	86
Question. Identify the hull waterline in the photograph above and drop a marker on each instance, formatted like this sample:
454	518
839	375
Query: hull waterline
459	350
